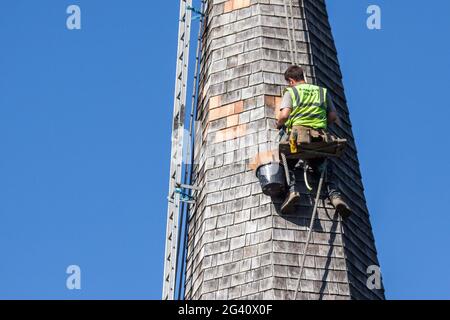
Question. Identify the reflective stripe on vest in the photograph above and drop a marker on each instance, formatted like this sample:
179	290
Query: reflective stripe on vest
312	110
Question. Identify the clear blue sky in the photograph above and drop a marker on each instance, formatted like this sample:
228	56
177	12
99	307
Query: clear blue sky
85	140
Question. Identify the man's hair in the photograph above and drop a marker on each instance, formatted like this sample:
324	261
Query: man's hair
294	72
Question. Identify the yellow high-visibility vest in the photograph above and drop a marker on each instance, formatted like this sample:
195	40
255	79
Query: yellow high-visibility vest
309	106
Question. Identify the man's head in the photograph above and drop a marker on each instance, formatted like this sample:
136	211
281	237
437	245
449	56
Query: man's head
294	75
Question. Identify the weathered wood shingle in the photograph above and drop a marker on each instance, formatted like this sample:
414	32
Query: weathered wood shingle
239	246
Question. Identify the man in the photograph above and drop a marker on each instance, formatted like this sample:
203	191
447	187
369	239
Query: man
307	110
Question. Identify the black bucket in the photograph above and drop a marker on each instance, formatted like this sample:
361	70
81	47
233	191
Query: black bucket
272	179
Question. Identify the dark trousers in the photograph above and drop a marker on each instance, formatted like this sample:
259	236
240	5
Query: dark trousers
317	166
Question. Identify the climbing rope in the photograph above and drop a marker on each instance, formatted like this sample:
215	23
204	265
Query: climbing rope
308	237
308	39
286	169
294	39
305	175
291	32
288	29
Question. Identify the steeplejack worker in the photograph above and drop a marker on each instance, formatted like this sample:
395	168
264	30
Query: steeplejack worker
307	110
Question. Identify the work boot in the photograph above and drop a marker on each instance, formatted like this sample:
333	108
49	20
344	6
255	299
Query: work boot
291	199
341	206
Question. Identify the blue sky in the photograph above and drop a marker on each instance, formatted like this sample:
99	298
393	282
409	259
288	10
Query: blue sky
85	141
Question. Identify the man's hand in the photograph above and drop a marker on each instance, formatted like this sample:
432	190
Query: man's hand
332	117
283	117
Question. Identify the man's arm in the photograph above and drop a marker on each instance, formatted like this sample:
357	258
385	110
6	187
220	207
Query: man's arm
285	110
332	116
283	117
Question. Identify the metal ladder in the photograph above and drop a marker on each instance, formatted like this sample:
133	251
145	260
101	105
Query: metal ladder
173	208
